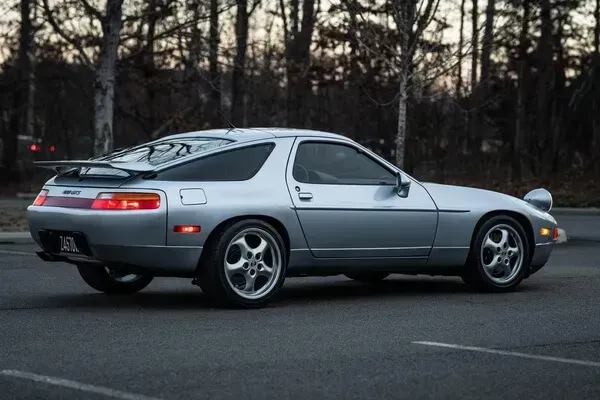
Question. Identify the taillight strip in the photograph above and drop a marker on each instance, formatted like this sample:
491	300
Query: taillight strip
68	202
126	201
104	201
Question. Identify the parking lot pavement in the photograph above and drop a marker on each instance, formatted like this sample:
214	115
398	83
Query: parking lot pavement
411	337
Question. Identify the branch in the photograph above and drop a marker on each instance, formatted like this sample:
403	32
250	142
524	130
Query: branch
183	113
90	10
286	32
63	35
255	4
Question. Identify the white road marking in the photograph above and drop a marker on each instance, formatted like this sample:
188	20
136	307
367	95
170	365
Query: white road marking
75	385
18	253
512	353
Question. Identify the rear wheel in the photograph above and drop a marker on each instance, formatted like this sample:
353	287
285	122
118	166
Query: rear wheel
368	277
245	266
499	256
110	281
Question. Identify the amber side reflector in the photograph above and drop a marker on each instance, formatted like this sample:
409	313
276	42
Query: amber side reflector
186	229
40	198
555	234
126	201
545	232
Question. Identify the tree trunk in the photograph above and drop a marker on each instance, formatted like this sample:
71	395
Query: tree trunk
545	66
298	61
461	44
104	85
213	62
473	118
488	39
239	66
402	125
474	44
521	121
21	119
148	64
596	77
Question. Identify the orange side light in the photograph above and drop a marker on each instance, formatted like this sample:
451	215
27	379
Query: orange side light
126	201
40	198
186	228
555	234
544	231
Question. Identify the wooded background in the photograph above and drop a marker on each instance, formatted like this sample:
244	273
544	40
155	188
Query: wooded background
498	94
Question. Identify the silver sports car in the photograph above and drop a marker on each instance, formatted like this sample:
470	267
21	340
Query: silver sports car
239	210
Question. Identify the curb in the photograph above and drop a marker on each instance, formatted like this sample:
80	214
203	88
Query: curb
16	238
26	196
575	211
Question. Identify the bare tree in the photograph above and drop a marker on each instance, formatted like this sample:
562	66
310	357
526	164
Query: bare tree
21	118
411	18
520	123
213	60
488	38
297	38
474	43
461	40
238	84
105	67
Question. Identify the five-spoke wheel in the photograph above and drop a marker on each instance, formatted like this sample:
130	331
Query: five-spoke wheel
499	256
502	253
253	262
245	264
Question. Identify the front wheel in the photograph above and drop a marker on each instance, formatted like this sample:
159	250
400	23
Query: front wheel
109	281
245	266
499	257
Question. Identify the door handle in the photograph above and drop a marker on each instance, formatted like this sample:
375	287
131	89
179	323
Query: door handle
305	196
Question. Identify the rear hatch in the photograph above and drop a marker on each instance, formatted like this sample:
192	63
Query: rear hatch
88	205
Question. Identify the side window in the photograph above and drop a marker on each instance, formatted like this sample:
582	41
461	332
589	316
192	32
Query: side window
233	165
330	163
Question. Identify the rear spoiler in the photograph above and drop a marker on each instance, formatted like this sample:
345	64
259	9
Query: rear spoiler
67	165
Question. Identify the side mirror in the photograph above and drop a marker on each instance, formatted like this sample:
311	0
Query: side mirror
402	184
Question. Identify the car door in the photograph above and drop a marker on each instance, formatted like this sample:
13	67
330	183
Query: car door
348	205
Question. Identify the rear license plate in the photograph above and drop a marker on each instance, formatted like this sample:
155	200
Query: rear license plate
66	244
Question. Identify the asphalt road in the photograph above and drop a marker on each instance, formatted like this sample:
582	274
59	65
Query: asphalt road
324	338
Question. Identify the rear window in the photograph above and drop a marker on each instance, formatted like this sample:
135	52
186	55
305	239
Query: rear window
156	153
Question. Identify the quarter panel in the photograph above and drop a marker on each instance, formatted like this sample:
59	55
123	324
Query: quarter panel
263	195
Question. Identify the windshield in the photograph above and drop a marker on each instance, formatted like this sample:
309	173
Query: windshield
156	153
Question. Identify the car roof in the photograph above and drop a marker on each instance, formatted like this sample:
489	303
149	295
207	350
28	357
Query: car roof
247	134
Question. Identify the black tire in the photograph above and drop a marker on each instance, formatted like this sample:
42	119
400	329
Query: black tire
211	274
368	277
98	278
475	276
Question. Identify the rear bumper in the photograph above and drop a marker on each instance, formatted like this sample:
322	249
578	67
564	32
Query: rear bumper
154	260
135	240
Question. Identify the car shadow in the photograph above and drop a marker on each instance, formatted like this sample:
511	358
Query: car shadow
293	293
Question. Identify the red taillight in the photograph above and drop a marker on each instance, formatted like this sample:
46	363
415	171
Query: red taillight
126	201
40	198
186	228
555	233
